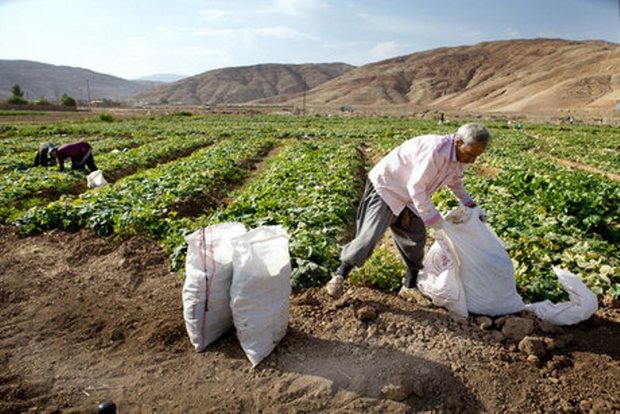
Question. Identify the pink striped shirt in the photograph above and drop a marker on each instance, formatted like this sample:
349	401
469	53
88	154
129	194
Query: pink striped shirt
410	174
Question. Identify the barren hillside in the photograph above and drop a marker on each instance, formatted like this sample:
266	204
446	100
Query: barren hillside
42	80
515	75
244	84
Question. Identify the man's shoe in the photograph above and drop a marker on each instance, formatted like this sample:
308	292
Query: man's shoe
335	287
416	295
410	280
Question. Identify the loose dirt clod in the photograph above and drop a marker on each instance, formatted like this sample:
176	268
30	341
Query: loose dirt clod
531	345
366	314
516	328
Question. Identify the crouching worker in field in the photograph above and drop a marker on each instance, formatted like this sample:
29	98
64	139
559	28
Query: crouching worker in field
80	153
398	195
43	157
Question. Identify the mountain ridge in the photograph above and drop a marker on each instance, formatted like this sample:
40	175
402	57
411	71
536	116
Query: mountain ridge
520	75
511	75
49	81
239	85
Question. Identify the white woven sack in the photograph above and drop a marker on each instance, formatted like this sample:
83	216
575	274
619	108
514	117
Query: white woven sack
95	179
259	294
440	279
486	270
208	275
581	305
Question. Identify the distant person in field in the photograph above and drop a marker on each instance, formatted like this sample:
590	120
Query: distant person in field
398	195
80	153
43	157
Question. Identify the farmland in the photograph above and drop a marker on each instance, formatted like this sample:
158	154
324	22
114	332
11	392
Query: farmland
551	193
174	174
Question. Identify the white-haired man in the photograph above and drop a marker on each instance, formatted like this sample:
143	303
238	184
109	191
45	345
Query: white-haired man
398	195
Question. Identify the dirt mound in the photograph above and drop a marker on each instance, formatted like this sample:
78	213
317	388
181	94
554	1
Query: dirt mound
86	319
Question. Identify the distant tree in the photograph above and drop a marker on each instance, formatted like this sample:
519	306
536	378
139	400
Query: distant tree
18	96
17	92
67	100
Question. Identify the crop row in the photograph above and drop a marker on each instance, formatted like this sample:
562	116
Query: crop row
26	137
596	147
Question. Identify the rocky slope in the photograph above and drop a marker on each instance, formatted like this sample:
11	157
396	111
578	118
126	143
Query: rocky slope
515	75
244	84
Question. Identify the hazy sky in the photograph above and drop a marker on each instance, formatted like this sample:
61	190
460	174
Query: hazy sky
134	38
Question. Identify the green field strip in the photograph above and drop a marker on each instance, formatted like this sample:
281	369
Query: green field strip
143	203
21	190
595	146
24	160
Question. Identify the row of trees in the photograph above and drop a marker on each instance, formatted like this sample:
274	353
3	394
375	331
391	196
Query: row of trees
17	98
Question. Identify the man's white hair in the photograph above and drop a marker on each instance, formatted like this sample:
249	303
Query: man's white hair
474	134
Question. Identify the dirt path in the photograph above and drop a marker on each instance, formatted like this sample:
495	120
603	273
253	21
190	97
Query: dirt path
574	164
86	319
584	167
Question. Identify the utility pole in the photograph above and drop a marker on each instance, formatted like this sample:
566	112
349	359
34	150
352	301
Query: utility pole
303	105
88	91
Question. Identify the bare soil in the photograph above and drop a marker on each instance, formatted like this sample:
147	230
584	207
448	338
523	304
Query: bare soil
86	319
